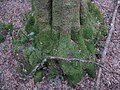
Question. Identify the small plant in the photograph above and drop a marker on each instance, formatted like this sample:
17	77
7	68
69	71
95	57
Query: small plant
5	28
1	38
8	26
22	39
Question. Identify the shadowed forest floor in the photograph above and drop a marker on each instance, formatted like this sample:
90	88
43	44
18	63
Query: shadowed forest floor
10	79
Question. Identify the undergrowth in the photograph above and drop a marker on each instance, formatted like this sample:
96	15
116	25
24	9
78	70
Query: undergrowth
5	28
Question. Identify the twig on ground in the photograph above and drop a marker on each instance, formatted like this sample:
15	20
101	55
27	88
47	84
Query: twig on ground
106	46
40	65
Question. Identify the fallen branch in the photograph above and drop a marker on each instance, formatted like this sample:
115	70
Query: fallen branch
40	65
106	45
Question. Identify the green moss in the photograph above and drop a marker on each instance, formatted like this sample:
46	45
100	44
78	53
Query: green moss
68	48
88	33
73	70
8	26
33	59
30	24
33	6
53	70
76	43
37	76
94	10
20	41
84	53
90	46
1	38
91	71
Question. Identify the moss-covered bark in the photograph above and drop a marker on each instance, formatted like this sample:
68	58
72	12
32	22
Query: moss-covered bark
66	15
64	28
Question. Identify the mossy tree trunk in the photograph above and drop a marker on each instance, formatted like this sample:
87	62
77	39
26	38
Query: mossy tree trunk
64	28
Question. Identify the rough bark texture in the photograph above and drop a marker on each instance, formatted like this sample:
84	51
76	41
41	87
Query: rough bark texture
66	15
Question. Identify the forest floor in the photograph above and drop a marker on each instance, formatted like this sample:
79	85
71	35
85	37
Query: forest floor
10	79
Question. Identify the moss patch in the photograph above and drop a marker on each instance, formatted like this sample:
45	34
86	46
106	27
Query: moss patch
1	38
50	41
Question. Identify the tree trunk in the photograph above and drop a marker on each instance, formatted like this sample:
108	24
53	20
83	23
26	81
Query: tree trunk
65	28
